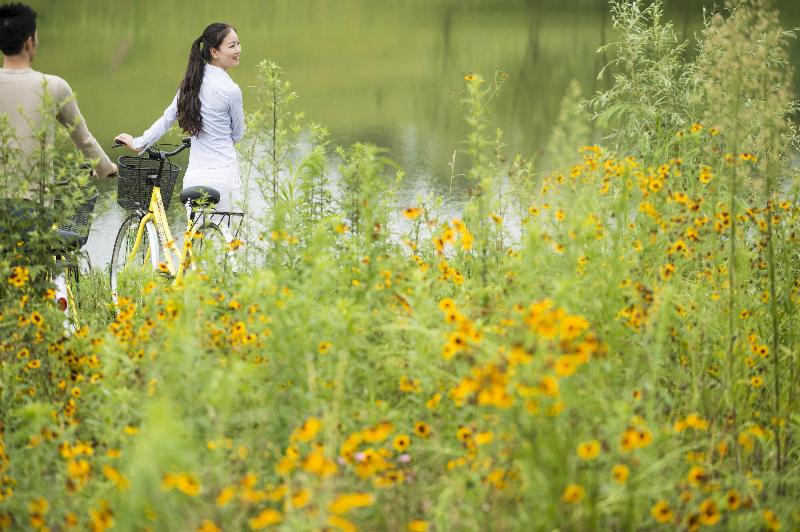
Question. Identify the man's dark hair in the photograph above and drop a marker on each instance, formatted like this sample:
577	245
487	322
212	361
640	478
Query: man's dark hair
17	23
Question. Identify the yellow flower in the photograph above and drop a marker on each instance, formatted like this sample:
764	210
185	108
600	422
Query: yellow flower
225	495
308	430
464	434
467	240
324	347
661	512
667	271
433	402
566	365
417	525
573	493
422	429
412	212
339	522
301	498
709	513
38	506
378	433
187	484
409	385
771	520
36	318
589	450
19	276
208	526
317	463
401	442
620	473
483	438
697	476
344	503
119	480
733	500
266	518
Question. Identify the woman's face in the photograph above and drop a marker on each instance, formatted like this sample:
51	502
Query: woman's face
227	55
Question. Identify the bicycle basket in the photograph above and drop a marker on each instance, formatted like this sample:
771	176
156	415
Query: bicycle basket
79	214
133	186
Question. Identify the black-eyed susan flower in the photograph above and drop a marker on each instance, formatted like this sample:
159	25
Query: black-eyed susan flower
422	429
667	271
207	525
377	433
573	494
349	501
662	512
412	213
771	520
265	519
709	512
301	498
697	476
401	442
307	431
620	473
417	525
19	276
589	450
733	500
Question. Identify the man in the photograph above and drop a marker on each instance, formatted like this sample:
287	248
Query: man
21	90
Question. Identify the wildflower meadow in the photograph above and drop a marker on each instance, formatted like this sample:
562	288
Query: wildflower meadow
601	337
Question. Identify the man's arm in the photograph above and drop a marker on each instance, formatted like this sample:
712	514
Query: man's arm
70	116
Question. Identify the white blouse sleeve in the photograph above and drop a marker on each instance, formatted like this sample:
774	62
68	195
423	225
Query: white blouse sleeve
161	126
237	115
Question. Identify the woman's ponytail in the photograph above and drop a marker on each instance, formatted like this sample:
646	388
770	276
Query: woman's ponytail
189	117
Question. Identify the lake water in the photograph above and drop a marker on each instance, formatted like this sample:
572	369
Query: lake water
386	72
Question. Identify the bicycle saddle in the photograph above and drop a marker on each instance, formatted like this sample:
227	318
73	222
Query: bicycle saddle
200	196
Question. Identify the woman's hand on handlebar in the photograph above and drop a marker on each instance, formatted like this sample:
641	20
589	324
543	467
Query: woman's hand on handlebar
126	140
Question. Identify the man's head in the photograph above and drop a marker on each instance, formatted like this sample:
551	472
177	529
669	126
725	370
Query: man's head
17	30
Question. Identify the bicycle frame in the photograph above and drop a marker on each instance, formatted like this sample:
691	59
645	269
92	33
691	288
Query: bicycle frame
174	260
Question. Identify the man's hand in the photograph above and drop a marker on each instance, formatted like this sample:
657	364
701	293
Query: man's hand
112	174
127	140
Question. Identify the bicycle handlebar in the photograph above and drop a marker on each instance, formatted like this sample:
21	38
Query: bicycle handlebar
158	155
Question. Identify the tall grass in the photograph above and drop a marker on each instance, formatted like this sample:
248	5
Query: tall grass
620	356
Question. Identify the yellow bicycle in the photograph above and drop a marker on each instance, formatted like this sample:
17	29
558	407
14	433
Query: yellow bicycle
144	241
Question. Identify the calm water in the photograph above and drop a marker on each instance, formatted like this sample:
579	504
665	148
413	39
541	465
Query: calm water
382	71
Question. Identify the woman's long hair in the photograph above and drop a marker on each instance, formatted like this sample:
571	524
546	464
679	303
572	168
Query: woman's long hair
189	117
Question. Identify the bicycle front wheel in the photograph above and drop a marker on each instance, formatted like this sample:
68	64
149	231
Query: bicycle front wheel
130	259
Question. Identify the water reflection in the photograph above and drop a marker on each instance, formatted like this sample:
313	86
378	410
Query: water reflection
384	72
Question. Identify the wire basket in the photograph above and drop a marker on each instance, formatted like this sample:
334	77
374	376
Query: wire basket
135	183
79	219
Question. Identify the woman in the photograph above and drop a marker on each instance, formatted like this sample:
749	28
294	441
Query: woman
208	106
